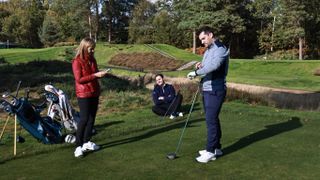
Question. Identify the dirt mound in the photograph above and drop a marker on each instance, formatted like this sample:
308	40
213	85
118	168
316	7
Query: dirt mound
145	61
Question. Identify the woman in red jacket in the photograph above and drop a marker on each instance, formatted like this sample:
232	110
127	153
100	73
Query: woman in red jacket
87	88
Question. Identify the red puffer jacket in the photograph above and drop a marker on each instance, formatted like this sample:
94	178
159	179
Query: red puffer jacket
87	84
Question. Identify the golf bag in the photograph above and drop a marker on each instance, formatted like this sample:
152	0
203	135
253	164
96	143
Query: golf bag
28	115
60	109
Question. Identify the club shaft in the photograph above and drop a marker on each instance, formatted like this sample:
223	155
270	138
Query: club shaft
186	123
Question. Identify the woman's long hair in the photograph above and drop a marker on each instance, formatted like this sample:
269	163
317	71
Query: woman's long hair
82	50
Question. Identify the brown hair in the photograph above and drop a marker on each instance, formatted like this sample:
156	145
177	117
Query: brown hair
206	29
161	75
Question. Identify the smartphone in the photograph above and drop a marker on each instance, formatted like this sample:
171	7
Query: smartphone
107	70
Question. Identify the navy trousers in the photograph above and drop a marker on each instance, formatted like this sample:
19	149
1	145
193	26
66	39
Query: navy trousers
213	101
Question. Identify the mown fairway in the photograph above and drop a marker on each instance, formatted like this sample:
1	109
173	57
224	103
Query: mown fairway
258	142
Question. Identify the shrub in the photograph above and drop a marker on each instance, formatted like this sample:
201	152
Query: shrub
3	60
65	44
292	54
316	72
69	53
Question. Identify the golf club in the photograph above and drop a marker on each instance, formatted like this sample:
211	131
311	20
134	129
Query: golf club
169	106
173	155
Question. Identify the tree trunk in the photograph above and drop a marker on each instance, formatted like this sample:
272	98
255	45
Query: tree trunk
109	8
273	24
300	49
90	29
109	31
97	20
194	42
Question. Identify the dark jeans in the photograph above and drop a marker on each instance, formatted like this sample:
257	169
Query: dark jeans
163	109
88	110
213	101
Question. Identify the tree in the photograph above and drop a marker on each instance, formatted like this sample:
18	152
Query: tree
312	29
49	33
24	21
166	23
162	24
71	19
222	15
140	27
4	13
285	25
115	19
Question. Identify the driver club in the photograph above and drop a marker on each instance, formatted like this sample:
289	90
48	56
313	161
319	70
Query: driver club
173	155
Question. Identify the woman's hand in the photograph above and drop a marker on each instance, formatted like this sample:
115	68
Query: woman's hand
100	74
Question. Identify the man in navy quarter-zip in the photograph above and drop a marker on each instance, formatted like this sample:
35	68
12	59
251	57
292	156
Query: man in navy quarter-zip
213	69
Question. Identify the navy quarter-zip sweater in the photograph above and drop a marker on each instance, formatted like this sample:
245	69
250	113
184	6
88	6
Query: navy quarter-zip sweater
167	91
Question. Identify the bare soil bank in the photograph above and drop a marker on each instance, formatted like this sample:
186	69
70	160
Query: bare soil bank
145	61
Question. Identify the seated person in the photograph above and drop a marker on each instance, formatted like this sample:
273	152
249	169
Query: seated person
166	101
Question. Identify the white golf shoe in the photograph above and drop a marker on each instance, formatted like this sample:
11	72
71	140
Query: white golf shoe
217	152
90	146
78	152
206	157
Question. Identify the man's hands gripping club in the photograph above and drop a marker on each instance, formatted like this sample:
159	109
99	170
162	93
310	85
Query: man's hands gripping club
193	74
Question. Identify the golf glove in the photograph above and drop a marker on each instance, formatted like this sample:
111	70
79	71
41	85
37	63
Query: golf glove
191	75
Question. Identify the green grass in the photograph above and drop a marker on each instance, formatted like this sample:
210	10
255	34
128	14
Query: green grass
280	74
258	142
20	55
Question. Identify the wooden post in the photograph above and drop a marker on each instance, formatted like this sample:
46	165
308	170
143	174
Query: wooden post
4	127
15	136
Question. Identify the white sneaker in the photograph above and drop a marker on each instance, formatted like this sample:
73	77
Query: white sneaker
90	146
172	116
206	157
180	114
217	152
78	152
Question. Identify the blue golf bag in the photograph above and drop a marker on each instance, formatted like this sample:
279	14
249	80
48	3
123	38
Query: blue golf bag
28	115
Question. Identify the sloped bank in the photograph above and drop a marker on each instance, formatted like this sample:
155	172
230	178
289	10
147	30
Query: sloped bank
276	97
281	98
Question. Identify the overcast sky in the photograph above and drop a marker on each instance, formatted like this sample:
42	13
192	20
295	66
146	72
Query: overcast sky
153	0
